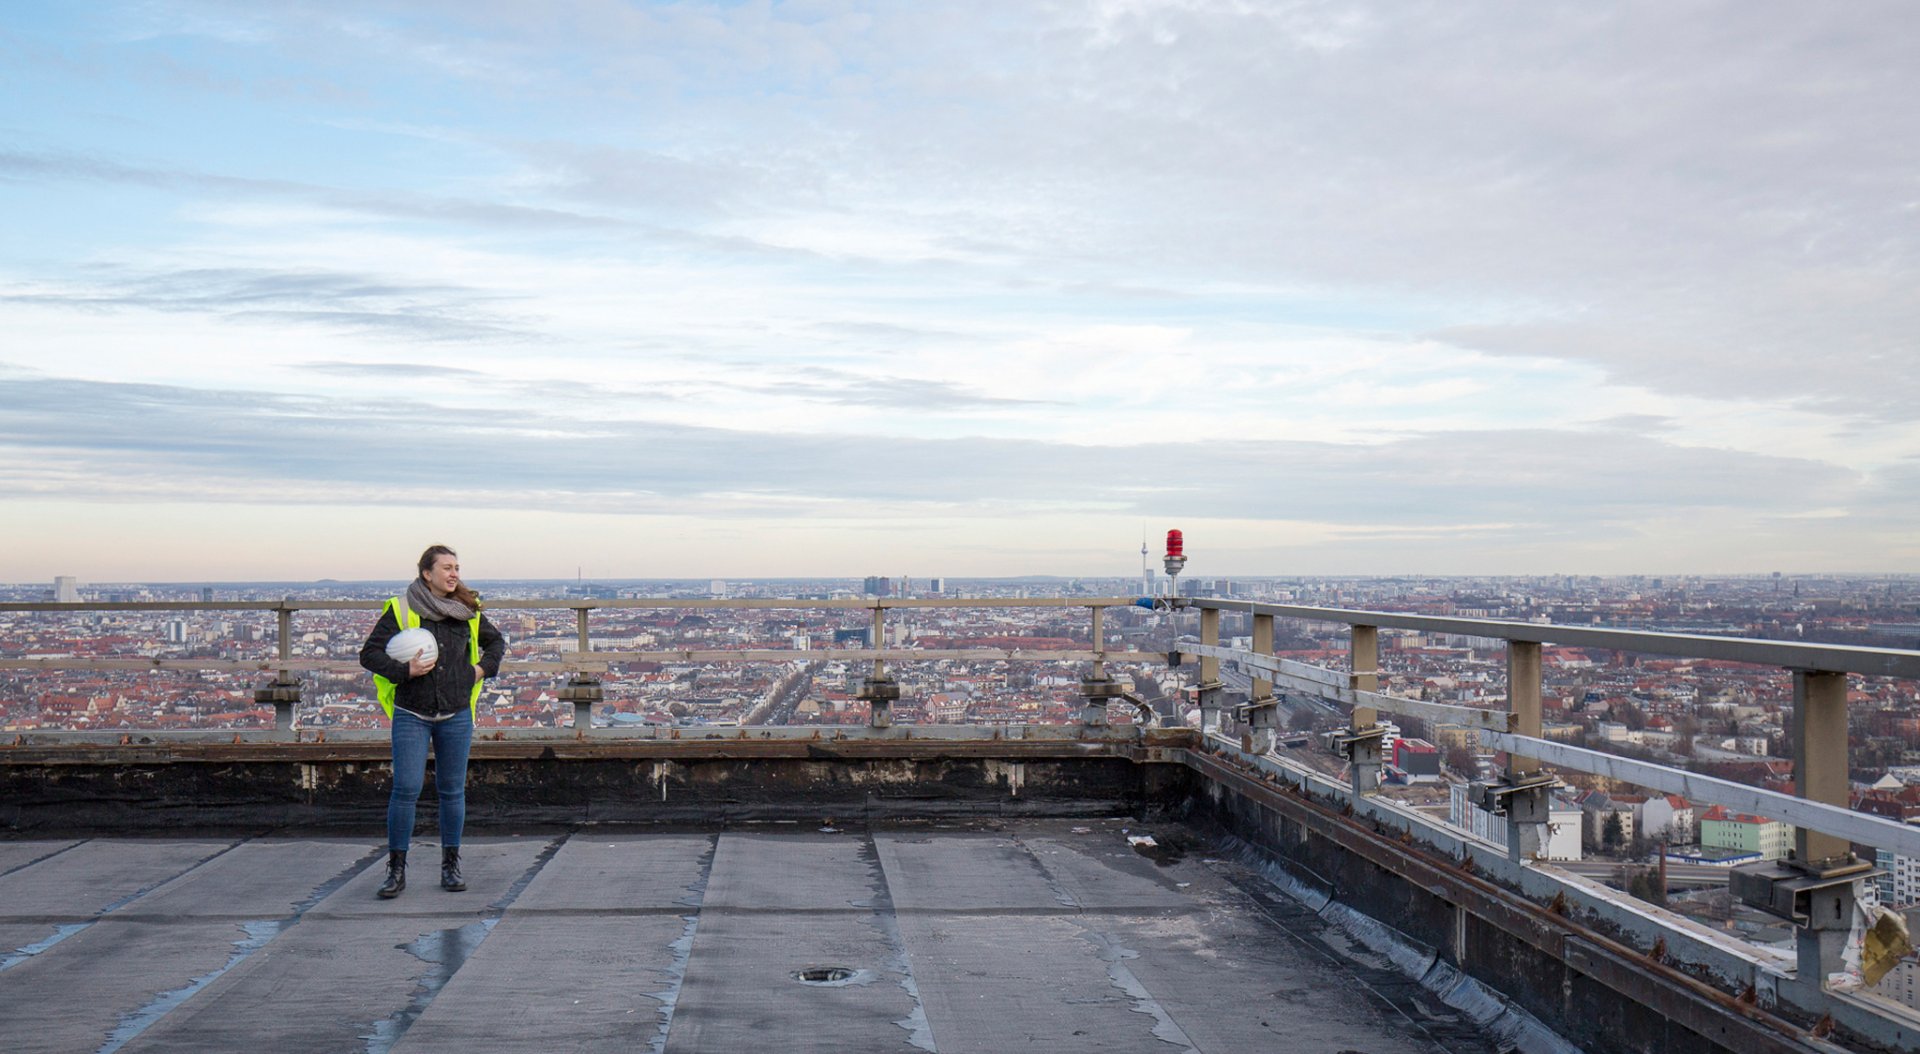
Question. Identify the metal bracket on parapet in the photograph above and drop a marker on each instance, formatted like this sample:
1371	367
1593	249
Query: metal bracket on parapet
1145	716
1527	803
1526	796
284	693
1261	720
1362	747
880	693
1783	889
583	692
1207	697
1098	692
1817	899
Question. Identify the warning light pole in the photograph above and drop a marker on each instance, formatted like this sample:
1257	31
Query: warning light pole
1175	561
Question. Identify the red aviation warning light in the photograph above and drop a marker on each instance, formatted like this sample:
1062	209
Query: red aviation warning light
1176	553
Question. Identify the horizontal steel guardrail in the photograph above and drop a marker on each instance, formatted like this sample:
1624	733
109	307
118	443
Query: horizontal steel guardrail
1331	684
589	603
587	660
986	732
599	661
583	661
1861	827
1494	727
1830	658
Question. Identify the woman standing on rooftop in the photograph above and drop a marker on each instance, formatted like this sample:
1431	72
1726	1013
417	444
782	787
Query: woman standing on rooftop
432	699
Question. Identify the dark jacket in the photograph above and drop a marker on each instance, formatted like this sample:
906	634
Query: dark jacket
449	686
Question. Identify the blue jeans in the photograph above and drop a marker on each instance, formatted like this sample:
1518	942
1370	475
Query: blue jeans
450	740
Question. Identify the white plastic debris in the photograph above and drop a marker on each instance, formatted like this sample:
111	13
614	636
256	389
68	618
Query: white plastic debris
1138	840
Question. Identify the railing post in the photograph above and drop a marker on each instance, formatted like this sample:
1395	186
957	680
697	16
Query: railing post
879	690
284	690
1528	807
1210	684
1364	735
1263	711
1819	733
1817	888
1834	875
582	689
1097	688
1098	634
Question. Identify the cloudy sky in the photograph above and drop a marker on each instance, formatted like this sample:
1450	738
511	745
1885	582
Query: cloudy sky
970	288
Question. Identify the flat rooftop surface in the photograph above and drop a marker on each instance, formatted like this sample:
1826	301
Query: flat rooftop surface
966	935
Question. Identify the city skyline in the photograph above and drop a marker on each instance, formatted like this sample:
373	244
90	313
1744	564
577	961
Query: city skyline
824	289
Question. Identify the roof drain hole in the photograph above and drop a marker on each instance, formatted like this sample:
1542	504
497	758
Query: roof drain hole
827	976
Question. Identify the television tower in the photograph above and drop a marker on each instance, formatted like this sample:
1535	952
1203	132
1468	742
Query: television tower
1146	571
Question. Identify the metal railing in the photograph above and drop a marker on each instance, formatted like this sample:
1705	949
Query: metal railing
1818	732
586	667
1814	888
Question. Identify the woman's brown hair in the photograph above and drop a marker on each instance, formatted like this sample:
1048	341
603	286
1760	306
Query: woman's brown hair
460	592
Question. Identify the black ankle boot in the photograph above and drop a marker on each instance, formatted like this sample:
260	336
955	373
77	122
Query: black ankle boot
450	879
396	874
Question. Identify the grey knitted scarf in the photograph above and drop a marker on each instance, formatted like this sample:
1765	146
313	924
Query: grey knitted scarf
434	607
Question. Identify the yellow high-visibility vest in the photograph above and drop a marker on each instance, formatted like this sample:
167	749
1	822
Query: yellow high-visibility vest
406	618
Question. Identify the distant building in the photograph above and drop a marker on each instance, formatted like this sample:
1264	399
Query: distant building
1665	815
206	594
716	588
1901	984
1728	858
1417	760
1389	737
1563	823
1899	885
1599	805
66	590
936	585
877	586
1449	736
1723	829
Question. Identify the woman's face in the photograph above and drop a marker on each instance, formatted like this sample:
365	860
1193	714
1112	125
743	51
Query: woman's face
444	575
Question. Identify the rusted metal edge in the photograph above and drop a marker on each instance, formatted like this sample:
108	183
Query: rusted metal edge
1693	1004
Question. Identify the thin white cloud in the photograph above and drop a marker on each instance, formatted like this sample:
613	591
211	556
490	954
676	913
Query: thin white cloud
1643	257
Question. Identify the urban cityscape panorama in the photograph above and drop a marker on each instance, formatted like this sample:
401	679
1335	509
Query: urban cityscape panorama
1701	709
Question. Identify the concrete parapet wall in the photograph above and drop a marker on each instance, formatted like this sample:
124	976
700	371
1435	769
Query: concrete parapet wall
1571	968
249	786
